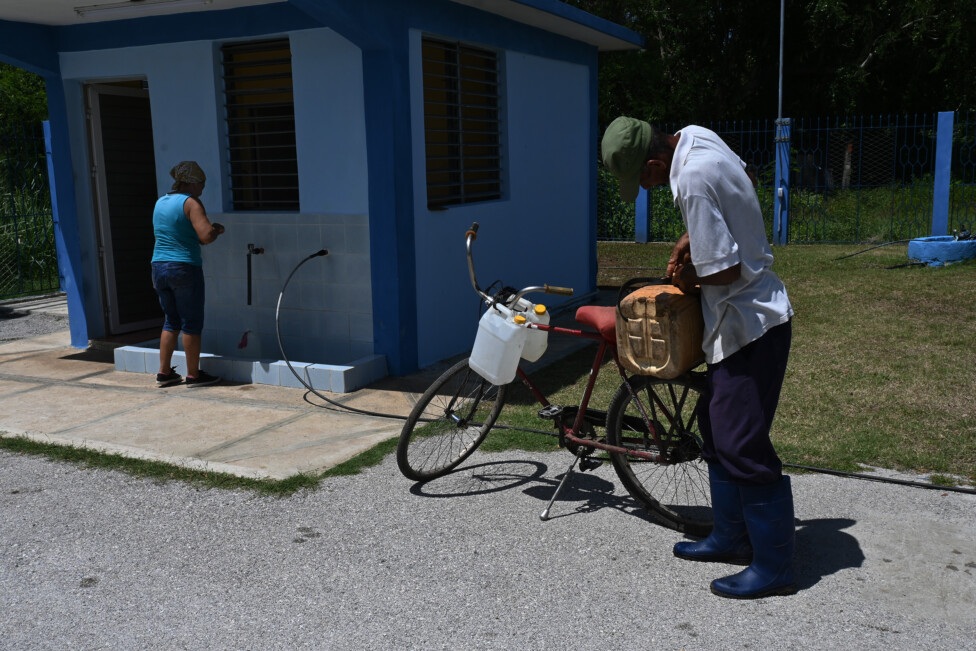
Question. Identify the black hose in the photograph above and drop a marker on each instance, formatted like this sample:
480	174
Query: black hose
851	255
281	349
884	480
823	471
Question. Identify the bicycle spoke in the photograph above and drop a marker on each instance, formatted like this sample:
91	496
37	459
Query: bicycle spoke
448	423
675	487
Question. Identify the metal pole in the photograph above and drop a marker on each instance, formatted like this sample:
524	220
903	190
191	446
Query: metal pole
782	11
781	216
781	209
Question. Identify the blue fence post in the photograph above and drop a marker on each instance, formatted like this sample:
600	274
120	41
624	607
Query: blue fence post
642	217
781	215
943	174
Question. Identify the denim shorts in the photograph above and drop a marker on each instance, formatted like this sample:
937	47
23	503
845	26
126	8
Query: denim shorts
181	295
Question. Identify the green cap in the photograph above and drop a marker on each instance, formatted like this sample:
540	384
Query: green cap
624	148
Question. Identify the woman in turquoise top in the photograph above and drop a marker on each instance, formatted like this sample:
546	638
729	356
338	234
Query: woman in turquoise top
181	226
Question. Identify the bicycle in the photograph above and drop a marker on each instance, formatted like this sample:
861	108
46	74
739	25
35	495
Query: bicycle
651	427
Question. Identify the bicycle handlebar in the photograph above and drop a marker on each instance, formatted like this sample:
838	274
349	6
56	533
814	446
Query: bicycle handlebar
552	289
470	236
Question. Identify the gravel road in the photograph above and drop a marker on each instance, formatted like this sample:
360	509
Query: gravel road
98	559
15	324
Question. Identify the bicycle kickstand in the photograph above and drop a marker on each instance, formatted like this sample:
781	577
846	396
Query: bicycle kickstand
576	459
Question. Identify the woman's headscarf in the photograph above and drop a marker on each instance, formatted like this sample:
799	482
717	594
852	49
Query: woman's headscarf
187	172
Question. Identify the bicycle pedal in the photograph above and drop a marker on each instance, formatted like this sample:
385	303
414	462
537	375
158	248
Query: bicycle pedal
589	464
551	412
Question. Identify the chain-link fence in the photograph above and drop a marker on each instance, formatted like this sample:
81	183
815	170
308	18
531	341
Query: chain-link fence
28	259
862	179
856	179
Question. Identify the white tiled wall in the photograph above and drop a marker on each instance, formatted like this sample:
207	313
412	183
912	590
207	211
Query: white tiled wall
326	313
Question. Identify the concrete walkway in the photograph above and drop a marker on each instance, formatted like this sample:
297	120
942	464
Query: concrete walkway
53	393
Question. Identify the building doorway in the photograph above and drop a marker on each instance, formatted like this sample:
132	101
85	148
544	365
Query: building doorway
124	187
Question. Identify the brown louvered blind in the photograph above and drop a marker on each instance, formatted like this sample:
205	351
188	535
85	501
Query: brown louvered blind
260	113
461	123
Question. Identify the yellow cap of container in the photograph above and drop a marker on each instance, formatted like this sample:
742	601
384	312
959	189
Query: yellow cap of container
540	309
519	319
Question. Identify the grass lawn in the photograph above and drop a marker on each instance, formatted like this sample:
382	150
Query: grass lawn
881	371
883	364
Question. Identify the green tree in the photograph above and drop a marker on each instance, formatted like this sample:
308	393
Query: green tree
23	106
883	56
22	96
710	60
28	262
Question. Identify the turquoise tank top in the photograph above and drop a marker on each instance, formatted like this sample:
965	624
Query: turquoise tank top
176	240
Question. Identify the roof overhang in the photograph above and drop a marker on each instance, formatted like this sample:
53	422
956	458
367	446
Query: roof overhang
73	12
550	15
563	19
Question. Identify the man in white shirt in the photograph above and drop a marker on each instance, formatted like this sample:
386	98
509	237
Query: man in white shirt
725	255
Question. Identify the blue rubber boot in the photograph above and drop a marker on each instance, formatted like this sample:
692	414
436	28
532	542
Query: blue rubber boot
729	540
768	511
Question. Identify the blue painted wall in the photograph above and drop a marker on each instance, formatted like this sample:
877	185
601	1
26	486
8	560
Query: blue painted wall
396	282
327	316
539	232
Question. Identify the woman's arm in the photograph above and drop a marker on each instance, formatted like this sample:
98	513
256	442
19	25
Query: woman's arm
197	214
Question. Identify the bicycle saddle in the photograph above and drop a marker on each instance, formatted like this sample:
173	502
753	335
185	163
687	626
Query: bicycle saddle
602	318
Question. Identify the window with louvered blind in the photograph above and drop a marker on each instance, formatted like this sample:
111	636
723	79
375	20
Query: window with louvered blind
461	123
260	114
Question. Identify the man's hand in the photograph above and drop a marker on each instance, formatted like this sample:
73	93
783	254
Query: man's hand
680	255
686	278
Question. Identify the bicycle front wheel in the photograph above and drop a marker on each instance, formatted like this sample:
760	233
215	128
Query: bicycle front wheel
448	423
659	417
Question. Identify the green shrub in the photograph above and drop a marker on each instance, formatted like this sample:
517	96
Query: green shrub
615	219
28	258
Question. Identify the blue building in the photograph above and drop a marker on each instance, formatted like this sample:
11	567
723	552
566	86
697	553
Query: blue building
378	130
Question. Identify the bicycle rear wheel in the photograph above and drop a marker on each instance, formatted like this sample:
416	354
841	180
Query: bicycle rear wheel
675	489
448	423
